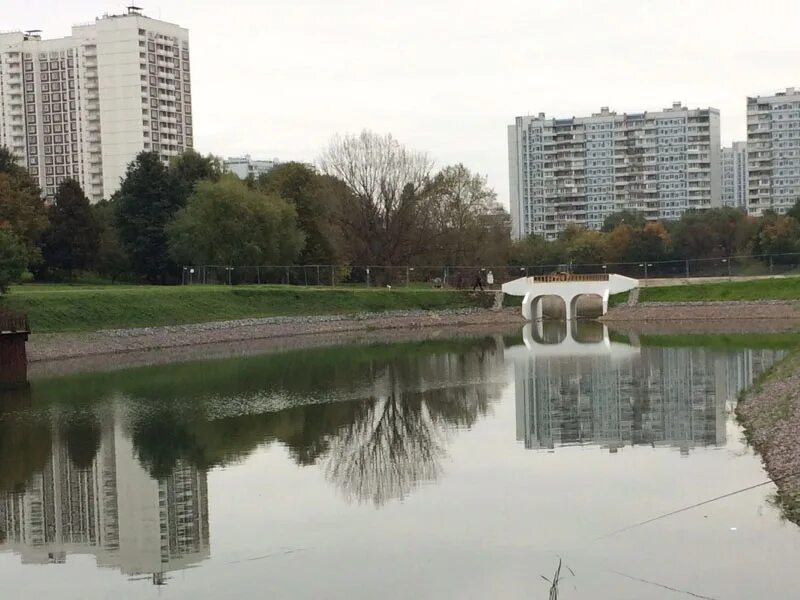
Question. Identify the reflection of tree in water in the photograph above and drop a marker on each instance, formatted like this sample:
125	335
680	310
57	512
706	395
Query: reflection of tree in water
82	434
385	431
398	439
24	441
387	451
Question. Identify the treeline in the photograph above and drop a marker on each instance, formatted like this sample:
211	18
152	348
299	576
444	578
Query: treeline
373	202
626	237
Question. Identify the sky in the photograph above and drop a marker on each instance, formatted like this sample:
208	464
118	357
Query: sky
279	79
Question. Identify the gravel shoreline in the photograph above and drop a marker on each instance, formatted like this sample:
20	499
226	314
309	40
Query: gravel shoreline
770	414
783	310
61	346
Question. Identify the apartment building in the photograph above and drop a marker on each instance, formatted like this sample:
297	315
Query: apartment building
773	157
245	166
85	105
582	169
734	175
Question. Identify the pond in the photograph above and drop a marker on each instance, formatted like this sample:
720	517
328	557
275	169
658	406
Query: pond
458	467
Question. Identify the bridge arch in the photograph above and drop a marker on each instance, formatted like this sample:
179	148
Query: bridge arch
575	310
535	305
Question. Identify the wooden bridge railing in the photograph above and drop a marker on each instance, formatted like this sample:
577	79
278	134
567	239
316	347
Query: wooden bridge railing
564	277
13	322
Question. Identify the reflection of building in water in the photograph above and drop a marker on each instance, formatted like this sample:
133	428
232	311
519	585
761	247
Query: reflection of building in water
612	394
111	508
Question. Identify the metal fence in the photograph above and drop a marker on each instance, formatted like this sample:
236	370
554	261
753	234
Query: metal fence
465	277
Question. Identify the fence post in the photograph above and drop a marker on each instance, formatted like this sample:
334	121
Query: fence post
770	264
333	276
729	266
317	274
687	268
367	276
408	278
258	274
288	282
230	274
305	275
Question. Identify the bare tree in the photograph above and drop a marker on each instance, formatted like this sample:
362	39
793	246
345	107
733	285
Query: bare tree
383	223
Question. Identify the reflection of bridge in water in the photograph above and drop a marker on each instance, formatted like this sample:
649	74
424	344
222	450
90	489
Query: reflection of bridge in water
611	394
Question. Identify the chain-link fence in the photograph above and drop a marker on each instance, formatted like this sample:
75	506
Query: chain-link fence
469	277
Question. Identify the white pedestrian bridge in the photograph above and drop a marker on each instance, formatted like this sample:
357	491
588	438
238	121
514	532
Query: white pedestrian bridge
567	286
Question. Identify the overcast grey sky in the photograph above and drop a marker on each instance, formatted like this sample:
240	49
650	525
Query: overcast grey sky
278	79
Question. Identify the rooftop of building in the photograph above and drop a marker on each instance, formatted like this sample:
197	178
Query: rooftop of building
130	11
606	112
789	91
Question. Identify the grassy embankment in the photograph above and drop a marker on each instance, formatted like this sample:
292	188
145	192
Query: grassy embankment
758	289
56	308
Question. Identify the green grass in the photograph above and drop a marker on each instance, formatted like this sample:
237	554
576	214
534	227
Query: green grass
759	289
724	342
58	308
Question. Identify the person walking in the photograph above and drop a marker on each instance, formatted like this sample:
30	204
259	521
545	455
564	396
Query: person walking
478	282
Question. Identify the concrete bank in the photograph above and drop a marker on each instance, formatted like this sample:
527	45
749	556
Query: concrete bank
782	310
62	346
770	415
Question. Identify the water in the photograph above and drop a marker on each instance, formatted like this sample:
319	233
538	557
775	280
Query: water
453	468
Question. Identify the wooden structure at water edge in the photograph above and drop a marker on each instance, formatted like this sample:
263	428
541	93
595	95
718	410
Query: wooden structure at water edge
14	332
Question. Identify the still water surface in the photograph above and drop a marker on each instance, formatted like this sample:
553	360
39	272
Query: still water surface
454	468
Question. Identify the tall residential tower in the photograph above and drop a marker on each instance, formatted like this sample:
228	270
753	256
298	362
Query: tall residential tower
773	151
85	105
734	175
580	170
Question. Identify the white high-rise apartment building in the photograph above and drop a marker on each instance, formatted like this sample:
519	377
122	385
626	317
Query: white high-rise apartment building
580	170
773	151
244	166
734	175
85	105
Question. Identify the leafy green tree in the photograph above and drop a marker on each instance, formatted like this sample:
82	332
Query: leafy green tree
708	233
585	249
534	251
794	212
13	258
191	167
71	240
111	260
779	235
631	218
311	195
21	206
146	201
228	223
